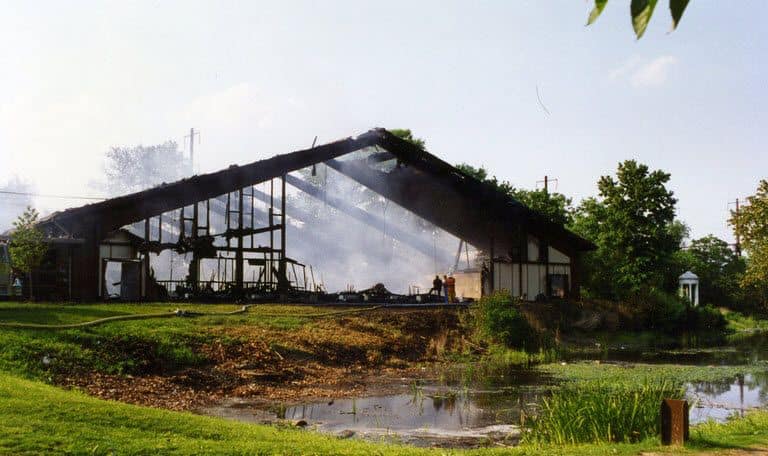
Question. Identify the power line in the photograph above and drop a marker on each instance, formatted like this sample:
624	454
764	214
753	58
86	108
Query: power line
43	195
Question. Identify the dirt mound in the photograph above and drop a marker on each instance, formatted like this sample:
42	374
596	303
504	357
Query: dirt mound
327	357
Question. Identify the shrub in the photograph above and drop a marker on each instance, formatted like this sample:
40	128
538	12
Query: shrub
498	320
705	318
657	310
596	412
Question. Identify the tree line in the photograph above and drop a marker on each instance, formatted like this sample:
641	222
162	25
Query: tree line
641	244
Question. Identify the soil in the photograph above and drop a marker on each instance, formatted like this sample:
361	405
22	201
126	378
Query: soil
331	358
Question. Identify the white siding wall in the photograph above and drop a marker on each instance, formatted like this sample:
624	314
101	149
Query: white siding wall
556	256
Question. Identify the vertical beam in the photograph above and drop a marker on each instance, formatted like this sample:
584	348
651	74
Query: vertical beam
492	267
145	274
522	245
271	232
458	256
547	279
282	272
194	264
239	252
253	213
69	272
208	217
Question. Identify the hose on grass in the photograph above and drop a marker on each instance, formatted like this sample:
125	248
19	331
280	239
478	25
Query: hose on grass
179	313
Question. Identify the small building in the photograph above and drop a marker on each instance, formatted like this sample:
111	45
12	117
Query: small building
689	287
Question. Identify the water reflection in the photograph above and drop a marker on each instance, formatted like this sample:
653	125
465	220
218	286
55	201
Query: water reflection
429	408
710	348
721	400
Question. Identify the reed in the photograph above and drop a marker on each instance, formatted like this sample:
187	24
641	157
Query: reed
597	412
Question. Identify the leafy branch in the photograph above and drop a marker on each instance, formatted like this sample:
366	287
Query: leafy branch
641	12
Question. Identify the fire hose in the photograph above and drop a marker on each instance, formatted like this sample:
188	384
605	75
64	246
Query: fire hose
179	313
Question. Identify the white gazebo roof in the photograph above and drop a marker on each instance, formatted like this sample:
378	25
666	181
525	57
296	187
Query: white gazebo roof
688	275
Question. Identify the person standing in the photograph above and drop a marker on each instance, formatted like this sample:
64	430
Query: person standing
437	286
445	288
451	287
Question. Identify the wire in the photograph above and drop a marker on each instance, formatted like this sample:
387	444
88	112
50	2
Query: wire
41	195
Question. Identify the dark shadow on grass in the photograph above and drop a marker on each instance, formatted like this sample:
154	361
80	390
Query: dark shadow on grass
699	443
54	314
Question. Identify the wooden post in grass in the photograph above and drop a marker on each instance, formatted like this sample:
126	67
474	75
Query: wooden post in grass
674	422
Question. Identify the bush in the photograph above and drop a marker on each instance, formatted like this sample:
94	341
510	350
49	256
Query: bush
660	311
498	320
600	413
705	318
666	312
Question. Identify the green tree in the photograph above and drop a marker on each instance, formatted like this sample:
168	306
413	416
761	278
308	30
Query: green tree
751	224
719	269
555	206
27	247
633	224
407	134
641	12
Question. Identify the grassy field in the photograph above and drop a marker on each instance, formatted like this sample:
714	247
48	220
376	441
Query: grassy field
130	347
38	417
740	322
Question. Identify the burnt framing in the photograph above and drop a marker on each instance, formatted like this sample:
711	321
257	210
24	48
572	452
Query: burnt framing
473	211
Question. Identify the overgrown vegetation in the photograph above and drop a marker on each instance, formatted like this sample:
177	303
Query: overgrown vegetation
601	412
660	311
497	320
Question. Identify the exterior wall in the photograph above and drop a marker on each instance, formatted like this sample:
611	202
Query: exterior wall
118	247
468	284
544	271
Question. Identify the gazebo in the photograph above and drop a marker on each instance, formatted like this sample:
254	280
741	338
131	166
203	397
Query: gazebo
689	287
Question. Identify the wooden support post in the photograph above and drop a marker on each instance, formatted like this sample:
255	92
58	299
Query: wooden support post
271	266
282	278
240	266
144	283
492	268
674	422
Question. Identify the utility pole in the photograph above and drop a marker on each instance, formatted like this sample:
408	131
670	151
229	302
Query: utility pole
546	182
737	231
191	136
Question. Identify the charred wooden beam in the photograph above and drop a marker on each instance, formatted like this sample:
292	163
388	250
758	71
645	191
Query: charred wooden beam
117	212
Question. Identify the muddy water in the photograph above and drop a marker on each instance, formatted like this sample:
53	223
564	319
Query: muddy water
475	406
429	416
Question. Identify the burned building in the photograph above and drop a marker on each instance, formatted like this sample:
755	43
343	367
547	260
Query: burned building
237	232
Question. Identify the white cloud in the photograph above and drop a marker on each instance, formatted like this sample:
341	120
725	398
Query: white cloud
645	74
654	73
624	69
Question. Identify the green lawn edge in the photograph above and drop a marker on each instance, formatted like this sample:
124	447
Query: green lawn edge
38	418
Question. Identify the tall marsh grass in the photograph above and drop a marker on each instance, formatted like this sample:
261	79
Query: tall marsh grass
597	412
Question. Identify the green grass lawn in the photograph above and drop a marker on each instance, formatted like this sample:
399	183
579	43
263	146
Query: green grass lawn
125	347
739	322
36	417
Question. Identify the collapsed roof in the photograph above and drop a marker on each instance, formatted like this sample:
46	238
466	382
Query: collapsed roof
420	182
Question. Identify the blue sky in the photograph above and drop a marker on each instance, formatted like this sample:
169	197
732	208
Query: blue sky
264	78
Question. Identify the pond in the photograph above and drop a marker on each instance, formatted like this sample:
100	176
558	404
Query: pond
487	406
